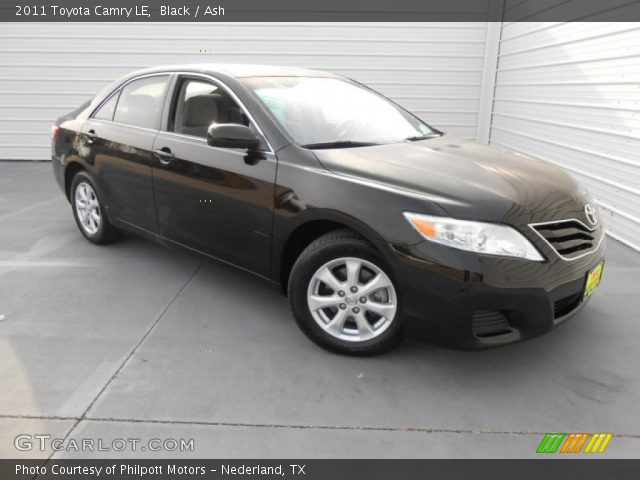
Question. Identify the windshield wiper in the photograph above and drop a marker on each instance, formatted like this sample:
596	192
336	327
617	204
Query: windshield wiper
423	137
339	144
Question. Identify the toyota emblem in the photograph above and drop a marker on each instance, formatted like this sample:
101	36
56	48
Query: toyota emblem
591	213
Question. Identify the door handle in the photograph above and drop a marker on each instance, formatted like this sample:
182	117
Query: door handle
164	155
91	136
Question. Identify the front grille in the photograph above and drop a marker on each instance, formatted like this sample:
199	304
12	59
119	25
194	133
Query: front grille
489	323
566	305
569	238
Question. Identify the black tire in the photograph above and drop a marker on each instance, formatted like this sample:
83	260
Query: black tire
331	246
105	233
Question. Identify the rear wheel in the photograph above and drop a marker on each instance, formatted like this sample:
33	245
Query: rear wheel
89	211
343	297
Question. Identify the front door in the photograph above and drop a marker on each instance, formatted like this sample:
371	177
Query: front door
207	198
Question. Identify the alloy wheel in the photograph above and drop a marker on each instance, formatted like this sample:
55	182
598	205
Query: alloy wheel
352	299
87	208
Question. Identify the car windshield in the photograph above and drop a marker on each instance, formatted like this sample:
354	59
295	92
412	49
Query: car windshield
326	112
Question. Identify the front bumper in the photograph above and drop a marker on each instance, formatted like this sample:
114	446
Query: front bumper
463	300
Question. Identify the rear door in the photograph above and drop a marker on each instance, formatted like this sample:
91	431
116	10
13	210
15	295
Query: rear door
118	143
207	198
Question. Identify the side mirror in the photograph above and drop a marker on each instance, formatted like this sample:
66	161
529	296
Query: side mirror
232	135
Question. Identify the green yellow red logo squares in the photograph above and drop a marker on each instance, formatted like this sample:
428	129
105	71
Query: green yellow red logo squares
555	442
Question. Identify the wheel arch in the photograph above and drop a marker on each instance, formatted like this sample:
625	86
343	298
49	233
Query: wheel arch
310	228
69	172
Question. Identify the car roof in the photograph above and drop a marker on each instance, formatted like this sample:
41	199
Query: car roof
240	70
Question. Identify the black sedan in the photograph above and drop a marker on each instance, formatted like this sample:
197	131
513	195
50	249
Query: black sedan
374	223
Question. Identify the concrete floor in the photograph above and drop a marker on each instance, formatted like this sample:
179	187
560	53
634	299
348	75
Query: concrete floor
137	341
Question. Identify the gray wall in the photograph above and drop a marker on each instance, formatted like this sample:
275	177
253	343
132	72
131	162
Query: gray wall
46	70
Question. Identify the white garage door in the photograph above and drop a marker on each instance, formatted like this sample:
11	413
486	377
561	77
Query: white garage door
570	94
48	69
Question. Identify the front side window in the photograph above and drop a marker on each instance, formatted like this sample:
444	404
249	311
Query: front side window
316	111
199	104
141	101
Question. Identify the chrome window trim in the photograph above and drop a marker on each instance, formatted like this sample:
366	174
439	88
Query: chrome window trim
153	130
562	257
206	76
101	104
93	113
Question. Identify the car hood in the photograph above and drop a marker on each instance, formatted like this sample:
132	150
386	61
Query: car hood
477	181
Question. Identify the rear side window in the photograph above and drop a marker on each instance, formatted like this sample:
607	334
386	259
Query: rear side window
141	101
105	112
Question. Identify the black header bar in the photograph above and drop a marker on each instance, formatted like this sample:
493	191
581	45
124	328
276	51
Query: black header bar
318	10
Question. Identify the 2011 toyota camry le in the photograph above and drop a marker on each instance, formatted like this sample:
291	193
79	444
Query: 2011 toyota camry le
376	224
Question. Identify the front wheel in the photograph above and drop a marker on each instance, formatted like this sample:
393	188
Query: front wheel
343	296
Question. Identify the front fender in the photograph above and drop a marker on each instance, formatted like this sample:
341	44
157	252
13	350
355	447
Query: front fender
306	192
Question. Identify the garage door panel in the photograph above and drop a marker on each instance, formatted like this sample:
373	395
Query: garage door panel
579	159
552	130
59	73
619	137
324	60
46	70
43	100
517	40
625	122
583	91
26	152
20	126
436	32
429	78
41	86
601	70
218	46
582	46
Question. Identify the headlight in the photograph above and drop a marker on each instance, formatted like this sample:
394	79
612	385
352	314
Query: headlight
479	237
